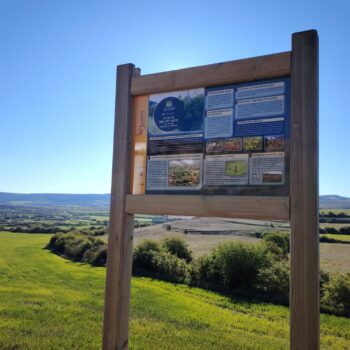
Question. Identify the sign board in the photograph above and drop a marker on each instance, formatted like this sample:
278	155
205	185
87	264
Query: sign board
222	140
234	139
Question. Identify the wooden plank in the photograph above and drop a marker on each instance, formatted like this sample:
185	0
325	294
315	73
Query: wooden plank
269	208
139	144
120	242
250	69
304	302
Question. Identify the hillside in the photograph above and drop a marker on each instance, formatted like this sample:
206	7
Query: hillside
101	201
50	303
95	201
334	202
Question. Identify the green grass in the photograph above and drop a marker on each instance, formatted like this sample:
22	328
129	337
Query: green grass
345	238
336	211
335	225
47	302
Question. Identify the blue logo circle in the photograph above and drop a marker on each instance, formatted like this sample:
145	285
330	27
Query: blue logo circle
169	114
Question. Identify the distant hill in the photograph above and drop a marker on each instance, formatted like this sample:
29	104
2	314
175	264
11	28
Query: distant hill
96	201
101	201
334	202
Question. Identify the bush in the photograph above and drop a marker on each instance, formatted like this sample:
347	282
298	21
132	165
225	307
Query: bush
345	230
336	297
332	230
152	258
205	272
324	280
144	253
73	245
169	267
280	239
325	239
273	281
240	263
177	247
96	256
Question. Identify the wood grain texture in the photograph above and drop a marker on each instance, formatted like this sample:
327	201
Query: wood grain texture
250	69
120	242
304	302
246	207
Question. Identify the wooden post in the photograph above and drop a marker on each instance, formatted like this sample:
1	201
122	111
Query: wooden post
304	296
120	241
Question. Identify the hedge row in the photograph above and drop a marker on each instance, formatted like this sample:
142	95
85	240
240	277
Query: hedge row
332	230
79	247
259	271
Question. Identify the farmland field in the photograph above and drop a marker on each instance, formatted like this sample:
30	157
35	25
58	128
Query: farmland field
335	225
50	303
334	257
345	238
336	211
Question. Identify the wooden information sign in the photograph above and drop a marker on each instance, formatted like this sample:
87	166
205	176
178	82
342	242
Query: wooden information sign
236	139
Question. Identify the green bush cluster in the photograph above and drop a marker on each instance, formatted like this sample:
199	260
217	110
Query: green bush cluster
335	295
278	243
331	214
166	260
243	269
334	231
259	271
37	229
79	247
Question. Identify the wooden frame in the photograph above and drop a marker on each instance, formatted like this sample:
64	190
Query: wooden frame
247	207
118	277
304	278
250	69
301	208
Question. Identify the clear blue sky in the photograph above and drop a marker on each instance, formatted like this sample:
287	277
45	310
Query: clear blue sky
57	74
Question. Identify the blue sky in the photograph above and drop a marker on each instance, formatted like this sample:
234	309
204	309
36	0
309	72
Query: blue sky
57	71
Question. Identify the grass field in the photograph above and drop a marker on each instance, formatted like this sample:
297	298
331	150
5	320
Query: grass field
335	225
50	303
336	211
345	238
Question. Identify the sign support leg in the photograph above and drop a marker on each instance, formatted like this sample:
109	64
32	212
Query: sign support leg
304	292
120	241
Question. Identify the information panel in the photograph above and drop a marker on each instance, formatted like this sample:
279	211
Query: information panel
231	139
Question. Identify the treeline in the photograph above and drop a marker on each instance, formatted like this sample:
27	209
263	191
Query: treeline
334	231
331	214
91	230
254	271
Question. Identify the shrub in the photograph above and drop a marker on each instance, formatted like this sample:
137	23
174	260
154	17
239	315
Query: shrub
76	245
152	258
280	239
169	267
178	247
275	250
73	245
273	281
325	239
96	256
336	297
324	279
332	230
143	257
205	272
240	263
345	230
